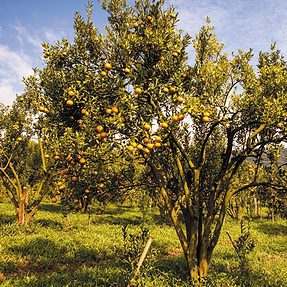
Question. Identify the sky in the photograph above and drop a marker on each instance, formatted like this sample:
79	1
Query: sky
25	24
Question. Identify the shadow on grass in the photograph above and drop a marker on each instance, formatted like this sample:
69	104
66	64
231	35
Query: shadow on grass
55	208
7	219
113	220
40	248
272	228
89	277
49	223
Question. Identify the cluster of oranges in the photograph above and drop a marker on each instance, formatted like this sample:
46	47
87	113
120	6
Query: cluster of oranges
107	68
102	135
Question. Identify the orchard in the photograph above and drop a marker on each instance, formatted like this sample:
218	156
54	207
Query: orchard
114	107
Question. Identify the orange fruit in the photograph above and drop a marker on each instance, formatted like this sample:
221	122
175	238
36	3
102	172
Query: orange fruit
150	146
130	148
138	91
180	117
175	118
146	127
115	109
99	129
164	125
108	66
140	147
165	89
109	111
172	89
103	134
179	100
71	93
103	74
127	70
69	103
157	139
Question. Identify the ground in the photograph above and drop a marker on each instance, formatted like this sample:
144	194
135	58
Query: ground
60	251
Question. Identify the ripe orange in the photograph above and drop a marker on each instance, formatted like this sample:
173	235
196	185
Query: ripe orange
172	89
54	199
127	70
157	139
206	114
135	24
133	144
103	74
175	118
146	127
99	129
101	185
115	109
69	103
146	140
205	119
149	19
138	91
71	93
150	146
164	125
41	108
103	134
82	160
109	111
74	179
83	111
165	89
139	147
146	150
179	100
180	117
108	66
130	148
157	144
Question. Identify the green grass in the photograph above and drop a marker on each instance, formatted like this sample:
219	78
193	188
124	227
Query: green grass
58	251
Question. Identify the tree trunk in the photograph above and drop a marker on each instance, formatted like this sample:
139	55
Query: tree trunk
256	207
197	270
21	212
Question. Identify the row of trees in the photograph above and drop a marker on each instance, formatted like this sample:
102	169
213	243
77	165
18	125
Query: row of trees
125	109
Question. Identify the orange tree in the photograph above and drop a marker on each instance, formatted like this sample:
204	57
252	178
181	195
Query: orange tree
131	93
24	171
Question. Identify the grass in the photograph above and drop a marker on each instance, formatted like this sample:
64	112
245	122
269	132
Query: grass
58	251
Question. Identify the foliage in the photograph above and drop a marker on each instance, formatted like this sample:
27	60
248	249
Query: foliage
117	100
24	171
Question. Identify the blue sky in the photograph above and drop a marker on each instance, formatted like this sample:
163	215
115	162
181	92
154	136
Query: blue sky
25	24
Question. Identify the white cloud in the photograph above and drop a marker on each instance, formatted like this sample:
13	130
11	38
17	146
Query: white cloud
13	67
24	37
240	24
